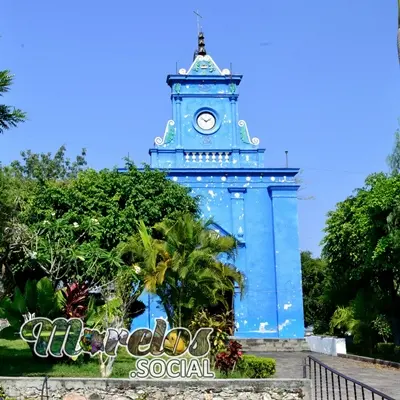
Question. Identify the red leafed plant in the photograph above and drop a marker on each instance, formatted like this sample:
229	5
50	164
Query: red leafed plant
226	360
76	300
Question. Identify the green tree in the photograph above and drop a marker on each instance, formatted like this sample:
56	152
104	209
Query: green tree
42	167
20	182
362	249
72	219
316	306
181	263
10	117
393	159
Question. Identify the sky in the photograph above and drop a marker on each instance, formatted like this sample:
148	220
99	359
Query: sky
321	80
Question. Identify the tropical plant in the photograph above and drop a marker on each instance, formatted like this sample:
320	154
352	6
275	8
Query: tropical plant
181	263
76	297
9	116
37	299
227	360
357	320
221	325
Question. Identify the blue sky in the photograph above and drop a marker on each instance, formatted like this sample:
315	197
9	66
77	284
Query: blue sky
92	74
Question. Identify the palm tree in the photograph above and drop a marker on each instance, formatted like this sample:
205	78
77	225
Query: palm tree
9	116
180	262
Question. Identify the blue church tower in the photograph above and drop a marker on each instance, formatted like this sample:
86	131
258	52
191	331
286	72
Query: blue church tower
207	147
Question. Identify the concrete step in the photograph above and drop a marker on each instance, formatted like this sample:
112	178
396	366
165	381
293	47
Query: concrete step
273	345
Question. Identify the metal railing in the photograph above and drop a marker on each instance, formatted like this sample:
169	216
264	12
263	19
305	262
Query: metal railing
330	384
45	385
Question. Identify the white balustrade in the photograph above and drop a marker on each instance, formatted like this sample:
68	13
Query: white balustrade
205	156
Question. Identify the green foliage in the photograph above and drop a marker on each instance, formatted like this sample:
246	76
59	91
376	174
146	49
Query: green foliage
257	367
382	327
119	297
42	167
181	263
386	350
10	117
393	159
362	249
317	310
69	220
222	328
39	298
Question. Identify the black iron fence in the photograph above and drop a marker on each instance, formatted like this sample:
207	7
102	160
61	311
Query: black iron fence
330	384
45	386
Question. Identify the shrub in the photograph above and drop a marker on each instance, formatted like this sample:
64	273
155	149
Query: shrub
221	325
227	360
257	367
385	350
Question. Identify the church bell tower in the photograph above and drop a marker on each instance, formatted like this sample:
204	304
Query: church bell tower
209	148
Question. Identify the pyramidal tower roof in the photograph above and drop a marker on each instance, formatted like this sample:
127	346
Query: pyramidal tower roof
203	64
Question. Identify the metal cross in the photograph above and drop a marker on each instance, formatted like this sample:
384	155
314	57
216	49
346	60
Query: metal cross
198	20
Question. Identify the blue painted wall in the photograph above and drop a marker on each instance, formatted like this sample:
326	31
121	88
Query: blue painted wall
257	205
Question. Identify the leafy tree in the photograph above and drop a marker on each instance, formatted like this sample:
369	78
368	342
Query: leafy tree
42	167
10	117
180	262
317	310
393	159
362	249
72	218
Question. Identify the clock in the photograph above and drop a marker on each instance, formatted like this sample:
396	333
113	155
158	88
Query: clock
206	121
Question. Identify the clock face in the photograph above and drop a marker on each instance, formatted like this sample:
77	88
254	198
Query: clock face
206	121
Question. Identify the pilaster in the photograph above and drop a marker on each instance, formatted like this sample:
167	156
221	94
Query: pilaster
290	314
238	212
234	123
178	101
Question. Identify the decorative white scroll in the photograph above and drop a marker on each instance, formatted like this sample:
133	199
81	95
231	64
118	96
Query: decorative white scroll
246	136
162	140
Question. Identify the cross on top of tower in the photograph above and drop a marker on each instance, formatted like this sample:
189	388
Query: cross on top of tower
201	47
198	21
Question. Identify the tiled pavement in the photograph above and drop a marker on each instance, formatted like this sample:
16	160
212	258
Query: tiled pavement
384	379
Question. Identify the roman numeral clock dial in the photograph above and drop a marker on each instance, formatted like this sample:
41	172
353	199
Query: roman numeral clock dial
206	121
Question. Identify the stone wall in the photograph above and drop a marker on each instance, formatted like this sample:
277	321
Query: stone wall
272	345
121	389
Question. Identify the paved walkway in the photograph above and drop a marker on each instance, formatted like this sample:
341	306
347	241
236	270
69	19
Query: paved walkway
384	379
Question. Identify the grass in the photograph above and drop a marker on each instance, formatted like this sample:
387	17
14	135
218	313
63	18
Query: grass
17	360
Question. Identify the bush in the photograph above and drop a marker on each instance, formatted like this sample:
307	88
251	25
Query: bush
222	329
257	367
385	350
227	360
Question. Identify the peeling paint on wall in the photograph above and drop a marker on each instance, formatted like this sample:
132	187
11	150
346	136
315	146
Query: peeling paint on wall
283	325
